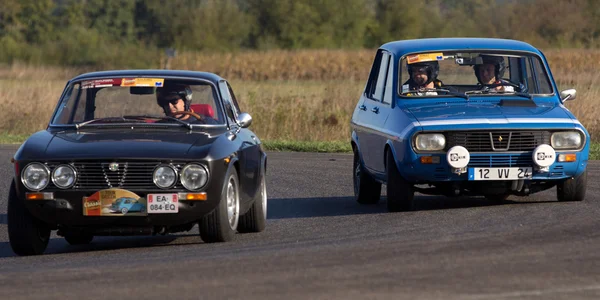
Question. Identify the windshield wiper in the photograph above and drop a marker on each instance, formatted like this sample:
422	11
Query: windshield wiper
186	124
107	120
448	92
492	92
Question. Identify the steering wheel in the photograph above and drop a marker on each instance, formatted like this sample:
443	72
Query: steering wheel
193	114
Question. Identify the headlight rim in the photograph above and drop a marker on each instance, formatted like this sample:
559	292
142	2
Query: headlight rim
45	167
416	136
582	136
177	177
74	176
181	179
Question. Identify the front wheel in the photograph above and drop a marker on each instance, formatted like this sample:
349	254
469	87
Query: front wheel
220	225
366	189
256	218
27	235
572	189
400	193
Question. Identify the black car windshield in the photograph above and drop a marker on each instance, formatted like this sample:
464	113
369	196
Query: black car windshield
98	102
472	73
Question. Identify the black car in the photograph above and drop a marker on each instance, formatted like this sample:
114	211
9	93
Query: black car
173	141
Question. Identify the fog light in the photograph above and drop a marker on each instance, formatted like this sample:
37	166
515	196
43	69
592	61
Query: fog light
567	157
430	159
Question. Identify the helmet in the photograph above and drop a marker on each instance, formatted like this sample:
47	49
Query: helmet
432	68
497	61
172	92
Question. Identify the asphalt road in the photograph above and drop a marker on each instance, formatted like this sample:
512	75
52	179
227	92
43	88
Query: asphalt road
320	244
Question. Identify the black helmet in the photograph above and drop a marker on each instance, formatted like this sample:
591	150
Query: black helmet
168	93
431	67
497	61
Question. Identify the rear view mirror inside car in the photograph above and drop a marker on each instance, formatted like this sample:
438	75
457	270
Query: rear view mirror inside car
141	90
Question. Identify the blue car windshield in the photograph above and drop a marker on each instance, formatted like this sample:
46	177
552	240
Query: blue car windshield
472	73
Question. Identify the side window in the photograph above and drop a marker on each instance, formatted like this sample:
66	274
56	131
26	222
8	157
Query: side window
229	108
544	86
233	100
381	77
372	82
73	107
389	84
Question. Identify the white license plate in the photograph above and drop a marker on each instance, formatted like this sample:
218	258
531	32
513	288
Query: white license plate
162	203
500	173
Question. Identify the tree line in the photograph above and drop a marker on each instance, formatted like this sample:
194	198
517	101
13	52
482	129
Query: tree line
134	33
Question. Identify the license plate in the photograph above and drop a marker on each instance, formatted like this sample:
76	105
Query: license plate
162	203
500	173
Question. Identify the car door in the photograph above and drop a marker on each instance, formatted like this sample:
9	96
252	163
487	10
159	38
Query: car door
372	114
249	150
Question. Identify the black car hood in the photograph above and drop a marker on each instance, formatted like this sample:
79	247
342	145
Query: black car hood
127	144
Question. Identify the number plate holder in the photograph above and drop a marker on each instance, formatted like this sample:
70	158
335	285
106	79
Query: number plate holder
163	203
512	173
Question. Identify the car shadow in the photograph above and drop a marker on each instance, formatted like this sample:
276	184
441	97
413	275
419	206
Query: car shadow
3	219
101	243
286	208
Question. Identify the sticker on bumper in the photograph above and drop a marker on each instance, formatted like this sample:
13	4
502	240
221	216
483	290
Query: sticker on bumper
114	203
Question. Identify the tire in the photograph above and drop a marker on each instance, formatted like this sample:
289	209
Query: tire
124	210
255	219
27	235
400	193
572	189
79	239
217	225
366	189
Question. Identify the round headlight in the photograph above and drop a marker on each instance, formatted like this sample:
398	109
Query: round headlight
35	176
164	177
566	140
194	176
430	142
63	176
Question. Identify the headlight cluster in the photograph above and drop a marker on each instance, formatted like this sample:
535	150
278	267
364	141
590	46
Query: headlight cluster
564	140
430	142
192	176
36	176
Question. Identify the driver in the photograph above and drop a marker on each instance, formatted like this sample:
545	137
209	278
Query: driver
176	98
423	75
490	72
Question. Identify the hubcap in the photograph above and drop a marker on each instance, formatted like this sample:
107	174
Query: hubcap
233	208
264	197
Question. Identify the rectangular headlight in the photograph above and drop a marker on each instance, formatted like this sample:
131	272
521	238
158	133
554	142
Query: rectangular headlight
430	142
566	140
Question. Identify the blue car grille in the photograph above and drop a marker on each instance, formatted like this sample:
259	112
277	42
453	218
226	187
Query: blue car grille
130	175
498	141
491	161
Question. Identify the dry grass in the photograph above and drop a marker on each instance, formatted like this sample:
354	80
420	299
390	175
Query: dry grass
304	95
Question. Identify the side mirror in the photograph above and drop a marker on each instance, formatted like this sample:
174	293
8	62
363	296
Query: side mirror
569	94
244	119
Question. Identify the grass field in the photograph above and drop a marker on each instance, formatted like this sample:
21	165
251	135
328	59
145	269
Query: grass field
300	96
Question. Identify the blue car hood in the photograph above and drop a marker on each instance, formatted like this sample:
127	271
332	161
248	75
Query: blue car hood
490	113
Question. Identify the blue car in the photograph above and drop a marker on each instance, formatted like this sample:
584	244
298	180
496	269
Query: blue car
125	204
465	116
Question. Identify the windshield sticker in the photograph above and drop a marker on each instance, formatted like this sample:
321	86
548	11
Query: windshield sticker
411	59
405	88
153	82
97	83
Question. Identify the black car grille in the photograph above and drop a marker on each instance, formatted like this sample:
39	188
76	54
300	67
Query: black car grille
130	175
493	141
